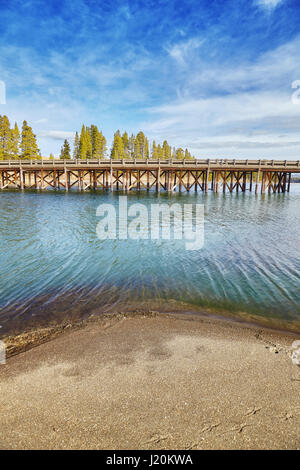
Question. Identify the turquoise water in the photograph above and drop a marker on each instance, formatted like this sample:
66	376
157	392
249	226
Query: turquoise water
53	267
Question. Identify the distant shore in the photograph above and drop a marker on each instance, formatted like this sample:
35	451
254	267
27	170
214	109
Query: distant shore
155	381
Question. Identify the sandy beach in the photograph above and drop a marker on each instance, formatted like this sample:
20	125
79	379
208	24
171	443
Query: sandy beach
153	382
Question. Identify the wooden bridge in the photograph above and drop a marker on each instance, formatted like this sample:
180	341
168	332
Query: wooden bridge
168	175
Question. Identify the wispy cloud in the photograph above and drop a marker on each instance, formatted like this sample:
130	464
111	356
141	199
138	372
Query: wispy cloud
57	135
269	4
184	50
238	104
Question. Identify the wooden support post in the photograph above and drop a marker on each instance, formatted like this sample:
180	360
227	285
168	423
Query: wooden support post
180	181
1	179
289	182
206	180
217	181
158	180
270	180
257	180
66	180
277	183
284	183
251	181
231	181
111	178
138	180
263	184
169	181
55	179
244	181
148	182
21	177
196	181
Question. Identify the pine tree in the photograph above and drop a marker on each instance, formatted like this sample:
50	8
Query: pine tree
131	146
29	148
136	151
117	151
166	150
154	153
125	144
99	147
51	157
103	147
5	138
14	146
76	154
89	146
98	142
159	152
82	143
65	153
141	148
179	154
94	133
146	149
187	155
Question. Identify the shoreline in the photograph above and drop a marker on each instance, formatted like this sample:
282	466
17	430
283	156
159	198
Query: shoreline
155	381
35	336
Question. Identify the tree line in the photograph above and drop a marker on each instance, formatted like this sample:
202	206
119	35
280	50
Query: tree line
16	144
90	143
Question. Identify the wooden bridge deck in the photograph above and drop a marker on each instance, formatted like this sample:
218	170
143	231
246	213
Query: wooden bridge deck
169	175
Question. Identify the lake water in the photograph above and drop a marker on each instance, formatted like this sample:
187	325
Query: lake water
54	268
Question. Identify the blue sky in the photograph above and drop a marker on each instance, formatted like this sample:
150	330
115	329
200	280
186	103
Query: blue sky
211	75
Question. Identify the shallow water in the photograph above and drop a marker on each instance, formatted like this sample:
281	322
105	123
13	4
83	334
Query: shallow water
53	267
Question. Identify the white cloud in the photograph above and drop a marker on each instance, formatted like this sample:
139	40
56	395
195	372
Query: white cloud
268	4
57	135
181	51
241	110
41	121
252	122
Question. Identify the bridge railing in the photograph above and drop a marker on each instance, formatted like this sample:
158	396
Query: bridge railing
173	162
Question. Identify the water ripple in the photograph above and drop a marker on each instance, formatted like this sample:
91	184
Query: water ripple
52	264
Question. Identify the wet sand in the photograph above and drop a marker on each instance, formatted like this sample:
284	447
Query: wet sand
153	382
